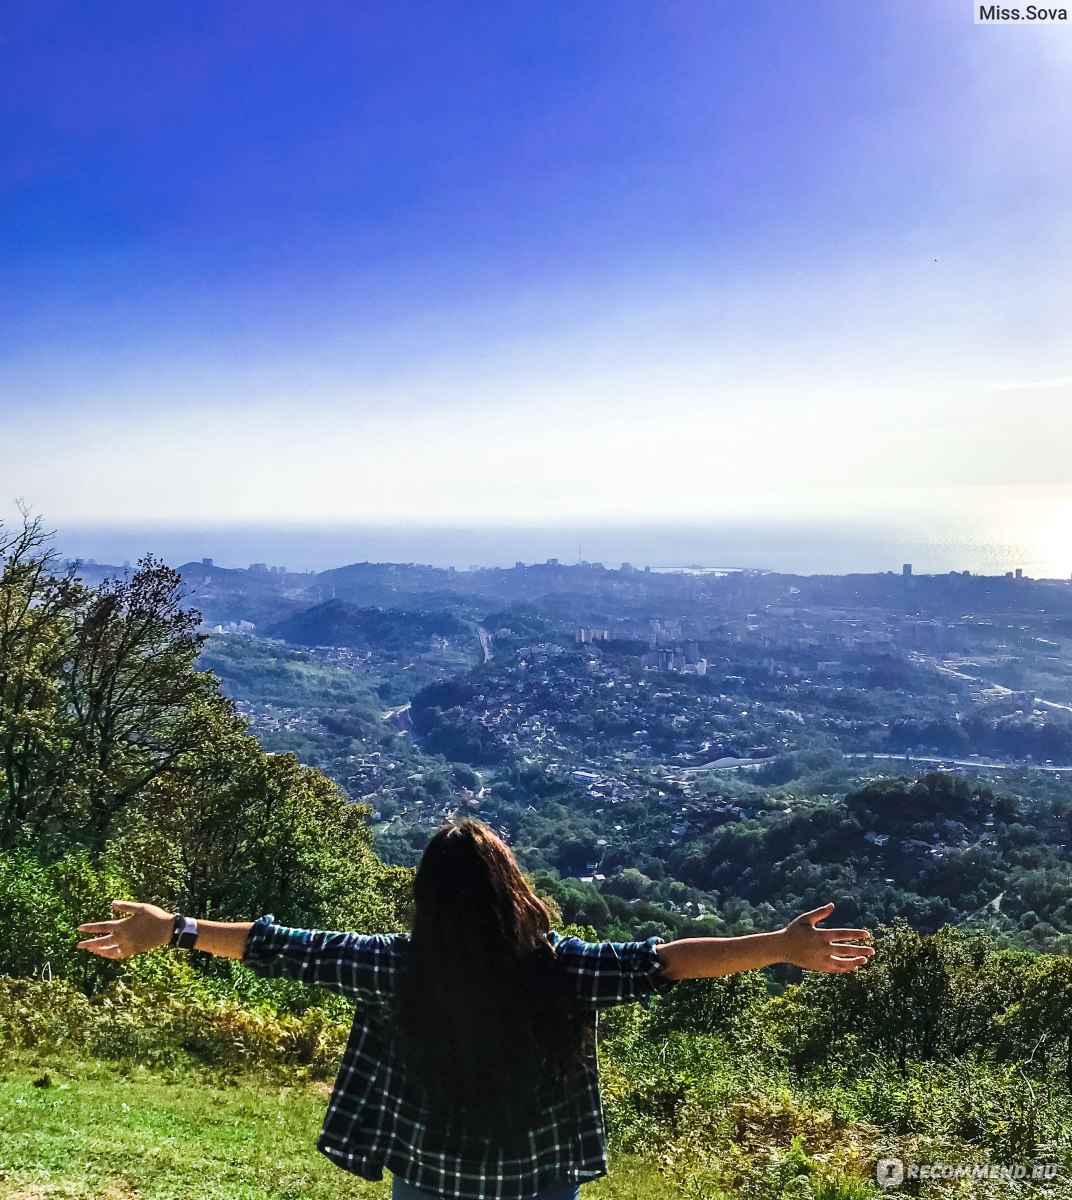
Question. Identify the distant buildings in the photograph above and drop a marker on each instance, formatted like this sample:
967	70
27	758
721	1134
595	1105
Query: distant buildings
675	660
584	635
236	627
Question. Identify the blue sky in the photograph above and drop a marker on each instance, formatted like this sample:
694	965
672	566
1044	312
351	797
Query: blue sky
529	262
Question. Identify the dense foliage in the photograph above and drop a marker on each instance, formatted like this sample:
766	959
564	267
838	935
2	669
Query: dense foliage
125	771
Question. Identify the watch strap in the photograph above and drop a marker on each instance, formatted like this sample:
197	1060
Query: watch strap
183	932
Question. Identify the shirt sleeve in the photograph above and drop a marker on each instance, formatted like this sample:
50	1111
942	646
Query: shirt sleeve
364	966
608	973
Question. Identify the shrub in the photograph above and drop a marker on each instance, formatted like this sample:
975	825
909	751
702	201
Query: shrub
135	1023
43	907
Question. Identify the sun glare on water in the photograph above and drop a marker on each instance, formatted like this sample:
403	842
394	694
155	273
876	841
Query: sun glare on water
1040	528
1051	543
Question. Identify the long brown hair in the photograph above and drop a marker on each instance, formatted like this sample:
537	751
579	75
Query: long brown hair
487	1027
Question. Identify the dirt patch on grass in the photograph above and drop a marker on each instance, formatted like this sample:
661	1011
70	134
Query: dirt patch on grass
118	1188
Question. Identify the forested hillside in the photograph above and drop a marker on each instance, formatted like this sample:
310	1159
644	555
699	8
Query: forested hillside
545	753
336	623
125	771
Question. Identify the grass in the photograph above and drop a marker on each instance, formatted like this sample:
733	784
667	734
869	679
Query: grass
103	1131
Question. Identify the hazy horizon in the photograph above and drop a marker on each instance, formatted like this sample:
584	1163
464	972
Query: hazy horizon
816	543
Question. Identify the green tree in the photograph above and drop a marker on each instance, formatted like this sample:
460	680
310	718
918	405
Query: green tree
138	702
37	617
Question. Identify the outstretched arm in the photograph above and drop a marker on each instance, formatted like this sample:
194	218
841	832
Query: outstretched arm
801	943
352	964
145	926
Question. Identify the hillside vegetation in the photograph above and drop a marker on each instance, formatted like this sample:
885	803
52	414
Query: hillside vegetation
125	771
337	623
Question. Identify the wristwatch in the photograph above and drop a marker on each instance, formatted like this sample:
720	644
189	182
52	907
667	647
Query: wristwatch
183	932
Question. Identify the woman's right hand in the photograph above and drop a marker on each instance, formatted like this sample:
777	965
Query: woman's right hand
145	927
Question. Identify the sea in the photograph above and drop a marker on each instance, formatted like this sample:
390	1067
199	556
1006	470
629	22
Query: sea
986	531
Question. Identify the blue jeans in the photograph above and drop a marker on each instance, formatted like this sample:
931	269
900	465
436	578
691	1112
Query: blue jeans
400	1190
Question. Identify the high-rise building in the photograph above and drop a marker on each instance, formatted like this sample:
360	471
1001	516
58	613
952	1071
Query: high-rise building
906	569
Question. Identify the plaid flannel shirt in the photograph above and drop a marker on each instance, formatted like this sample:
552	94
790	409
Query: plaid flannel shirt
375	1117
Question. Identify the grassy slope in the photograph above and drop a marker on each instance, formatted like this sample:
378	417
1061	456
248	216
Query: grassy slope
103	1133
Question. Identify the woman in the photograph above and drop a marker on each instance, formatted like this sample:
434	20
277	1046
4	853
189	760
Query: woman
470	1071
